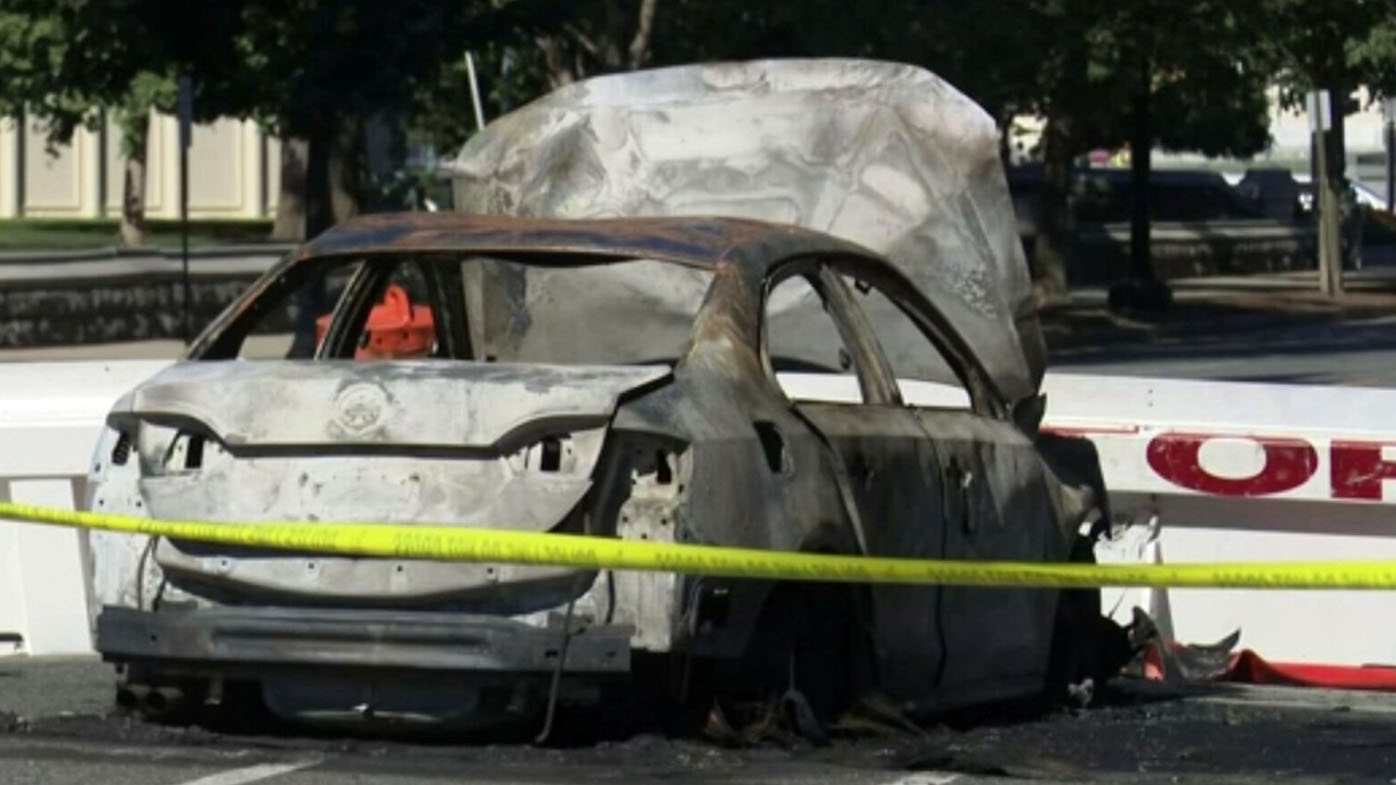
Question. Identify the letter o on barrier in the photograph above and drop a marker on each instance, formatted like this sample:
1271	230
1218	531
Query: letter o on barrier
1289	463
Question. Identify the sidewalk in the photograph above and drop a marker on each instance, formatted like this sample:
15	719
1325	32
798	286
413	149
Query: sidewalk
1229	306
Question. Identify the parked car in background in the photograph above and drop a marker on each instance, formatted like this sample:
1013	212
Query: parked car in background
1199	224
1362	194
1273	191
1283	191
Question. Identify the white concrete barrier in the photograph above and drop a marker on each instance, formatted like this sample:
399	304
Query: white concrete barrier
1222	471
1197	471
50	417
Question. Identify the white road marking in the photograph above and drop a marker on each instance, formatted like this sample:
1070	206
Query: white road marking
926	778
261	771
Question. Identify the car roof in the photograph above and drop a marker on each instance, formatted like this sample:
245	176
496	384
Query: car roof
702	242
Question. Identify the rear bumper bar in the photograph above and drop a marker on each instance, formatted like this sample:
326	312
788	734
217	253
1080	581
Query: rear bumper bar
248	636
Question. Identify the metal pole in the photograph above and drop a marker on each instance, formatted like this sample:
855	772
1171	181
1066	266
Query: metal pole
21	126
185	119
103	143
1390	106
1331	182
474	91
1321	211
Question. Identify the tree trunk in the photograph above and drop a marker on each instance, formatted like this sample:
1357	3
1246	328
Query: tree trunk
1337	135
333	176
620	40
1053	219
1141	142
132	227
1141	289
1350	215
319	212
346	169
556	60
290	203
639	49
319	216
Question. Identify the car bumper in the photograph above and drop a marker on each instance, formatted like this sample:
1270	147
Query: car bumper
225	639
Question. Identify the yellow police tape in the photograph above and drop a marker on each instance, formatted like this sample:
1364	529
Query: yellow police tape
450	543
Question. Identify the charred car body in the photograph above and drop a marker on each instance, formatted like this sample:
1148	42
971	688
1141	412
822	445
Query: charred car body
645	378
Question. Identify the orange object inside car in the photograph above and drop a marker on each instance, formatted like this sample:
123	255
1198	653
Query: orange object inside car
395	328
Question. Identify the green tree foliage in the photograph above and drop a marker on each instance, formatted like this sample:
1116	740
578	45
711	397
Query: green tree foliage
1335	47
309	69
312	70
1184	75
1329	44
510	72
1373	56
1189	74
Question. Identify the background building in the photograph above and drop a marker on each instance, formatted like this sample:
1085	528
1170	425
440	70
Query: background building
234	171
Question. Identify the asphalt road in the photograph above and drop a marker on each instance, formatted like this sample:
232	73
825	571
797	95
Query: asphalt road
57	727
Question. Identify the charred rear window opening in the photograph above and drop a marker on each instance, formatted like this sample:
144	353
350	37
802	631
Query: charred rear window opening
536	308
261	325
632	311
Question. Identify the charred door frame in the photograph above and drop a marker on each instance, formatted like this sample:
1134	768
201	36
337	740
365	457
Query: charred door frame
889	473
925	520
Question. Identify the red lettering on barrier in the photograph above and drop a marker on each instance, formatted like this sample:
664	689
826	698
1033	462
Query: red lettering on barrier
1288	464
1358	469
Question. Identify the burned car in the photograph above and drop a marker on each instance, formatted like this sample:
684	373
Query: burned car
530	413
774	305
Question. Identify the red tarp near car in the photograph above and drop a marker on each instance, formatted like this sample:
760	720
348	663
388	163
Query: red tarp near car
1173	661
1247	666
